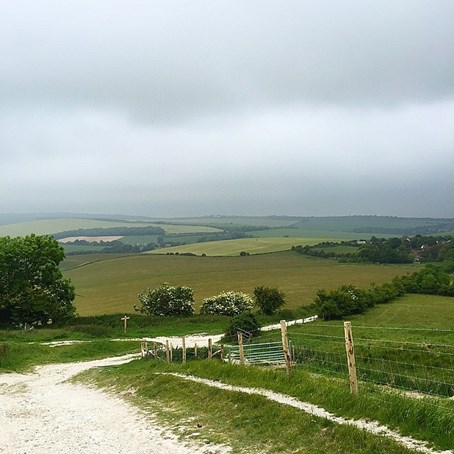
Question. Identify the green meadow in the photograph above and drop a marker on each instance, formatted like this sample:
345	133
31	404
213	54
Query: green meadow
106	284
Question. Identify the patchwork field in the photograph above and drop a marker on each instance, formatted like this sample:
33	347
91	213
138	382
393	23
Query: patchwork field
107	284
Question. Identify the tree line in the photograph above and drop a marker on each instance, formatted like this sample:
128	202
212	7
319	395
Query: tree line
423	249
350	300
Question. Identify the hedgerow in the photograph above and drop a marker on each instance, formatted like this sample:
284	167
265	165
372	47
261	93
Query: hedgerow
350	300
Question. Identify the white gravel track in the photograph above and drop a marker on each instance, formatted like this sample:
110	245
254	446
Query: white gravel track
40	413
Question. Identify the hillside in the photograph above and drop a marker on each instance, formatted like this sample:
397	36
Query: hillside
108	284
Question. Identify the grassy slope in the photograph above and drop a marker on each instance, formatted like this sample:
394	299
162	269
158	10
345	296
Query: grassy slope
248	423
112	285
412	311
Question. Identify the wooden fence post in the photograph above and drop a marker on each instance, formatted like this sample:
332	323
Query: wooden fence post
167	351
350	358
195	350
155	351
144	348
241	348
210	348
171	352
183	345
222	352
288	362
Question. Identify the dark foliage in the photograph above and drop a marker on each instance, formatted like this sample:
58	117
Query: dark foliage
245	322
269	300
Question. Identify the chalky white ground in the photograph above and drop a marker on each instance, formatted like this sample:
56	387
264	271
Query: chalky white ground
40	413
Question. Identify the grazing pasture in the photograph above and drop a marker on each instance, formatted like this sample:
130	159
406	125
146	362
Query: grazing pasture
106	284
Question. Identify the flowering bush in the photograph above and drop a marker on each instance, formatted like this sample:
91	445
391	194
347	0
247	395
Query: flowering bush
227	303
167	301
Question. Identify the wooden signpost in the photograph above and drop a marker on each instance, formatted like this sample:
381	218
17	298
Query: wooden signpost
125	319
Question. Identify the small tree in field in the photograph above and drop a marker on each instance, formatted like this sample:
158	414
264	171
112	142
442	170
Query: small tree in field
227	303
167	301
269	300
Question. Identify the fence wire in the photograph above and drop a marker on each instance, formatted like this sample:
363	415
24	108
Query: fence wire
421	365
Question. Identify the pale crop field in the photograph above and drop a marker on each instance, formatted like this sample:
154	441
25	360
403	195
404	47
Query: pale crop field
235	247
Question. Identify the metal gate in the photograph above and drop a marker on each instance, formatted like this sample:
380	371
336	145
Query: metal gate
266	353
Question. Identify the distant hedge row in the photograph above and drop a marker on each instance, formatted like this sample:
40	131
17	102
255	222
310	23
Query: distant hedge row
350	300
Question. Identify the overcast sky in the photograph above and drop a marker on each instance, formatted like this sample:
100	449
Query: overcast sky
176	108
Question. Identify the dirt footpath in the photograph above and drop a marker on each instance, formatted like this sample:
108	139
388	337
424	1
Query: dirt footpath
39	413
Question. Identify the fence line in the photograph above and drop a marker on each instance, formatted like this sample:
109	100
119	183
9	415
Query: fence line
411	365
426	367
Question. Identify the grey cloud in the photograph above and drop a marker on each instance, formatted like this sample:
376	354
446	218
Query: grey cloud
177	108
164	61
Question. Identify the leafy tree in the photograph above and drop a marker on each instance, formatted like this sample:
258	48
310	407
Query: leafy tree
32	287
227	303
269	300
167	301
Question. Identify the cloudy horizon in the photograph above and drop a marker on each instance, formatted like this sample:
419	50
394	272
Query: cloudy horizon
169	109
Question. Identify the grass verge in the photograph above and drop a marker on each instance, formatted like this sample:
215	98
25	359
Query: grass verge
22	357
251	423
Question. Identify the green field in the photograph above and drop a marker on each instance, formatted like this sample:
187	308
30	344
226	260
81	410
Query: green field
411	311
228	221
105	284
235	247
51	226
302	233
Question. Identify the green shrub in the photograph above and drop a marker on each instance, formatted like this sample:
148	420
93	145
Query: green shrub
167	301
286	314
269	300
227	303
246	322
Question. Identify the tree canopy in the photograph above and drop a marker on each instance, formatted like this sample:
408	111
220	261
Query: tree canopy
32	287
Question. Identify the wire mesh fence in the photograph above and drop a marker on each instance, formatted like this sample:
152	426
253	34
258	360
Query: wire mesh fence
412	360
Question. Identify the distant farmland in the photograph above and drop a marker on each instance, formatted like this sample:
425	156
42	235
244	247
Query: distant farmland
110	284
235	247
51	226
